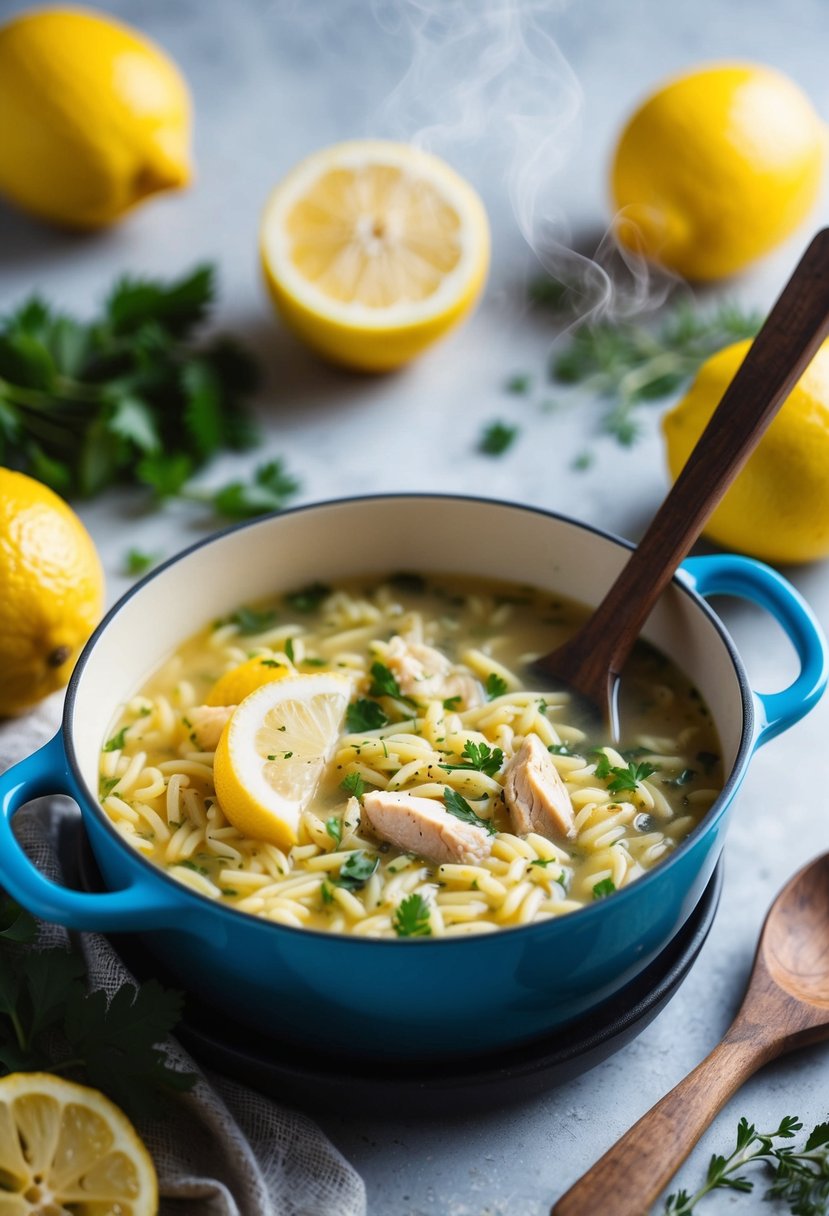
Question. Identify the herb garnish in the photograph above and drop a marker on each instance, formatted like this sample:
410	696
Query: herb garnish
800	1177
629	364
137	562
452	703
684	778
495	686
521	382
479	756
460	808
334	828
353	784
117	741
270	489
384	683
356	870
604	888
364	715
623	780
309	598
411	917
48	1021
496	438
249	621
559	749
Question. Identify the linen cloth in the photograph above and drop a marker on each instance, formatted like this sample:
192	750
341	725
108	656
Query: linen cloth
221	1149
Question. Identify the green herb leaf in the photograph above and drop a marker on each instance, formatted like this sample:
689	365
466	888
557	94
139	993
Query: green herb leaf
518	383
460	808
383	682
117	741
364	715
250	621
623	780
495	686
452	703
496	438
411	917
480	757
559	749
270	490
604	888
356	870
137	562
354	785
309	598
684	778
334	828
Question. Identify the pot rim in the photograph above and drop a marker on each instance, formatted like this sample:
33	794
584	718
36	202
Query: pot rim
596	910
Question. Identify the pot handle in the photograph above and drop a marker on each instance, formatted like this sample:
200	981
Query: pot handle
144	904
729	574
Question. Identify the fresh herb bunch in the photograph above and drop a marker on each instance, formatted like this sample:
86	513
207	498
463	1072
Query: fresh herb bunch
49	1021
800	1177
129	397
629	363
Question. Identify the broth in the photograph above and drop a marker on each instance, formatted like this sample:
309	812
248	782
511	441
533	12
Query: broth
458	737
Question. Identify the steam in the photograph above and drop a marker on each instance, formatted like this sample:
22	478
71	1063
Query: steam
488	84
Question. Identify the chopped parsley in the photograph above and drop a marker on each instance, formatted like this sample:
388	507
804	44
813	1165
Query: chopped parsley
604	888
383	682
309	598
353	784
460	808
270	663
249	620
117	741
582	462
364	715
311	662
684	778
479	756
496	438
289	650
191	865
559	749
334	828
452	703
495	686
623	780
545	861
327	893
411	918
137	562
518	383
356	870
108	784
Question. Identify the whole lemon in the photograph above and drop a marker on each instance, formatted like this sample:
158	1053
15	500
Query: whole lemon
716	168
778	507
51	591
94	117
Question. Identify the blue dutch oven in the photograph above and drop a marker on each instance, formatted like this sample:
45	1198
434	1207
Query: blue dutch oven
428	997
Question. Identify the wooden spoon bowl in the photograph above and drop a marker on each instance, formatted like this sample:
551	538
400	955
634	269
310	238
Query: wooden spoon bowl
785	1006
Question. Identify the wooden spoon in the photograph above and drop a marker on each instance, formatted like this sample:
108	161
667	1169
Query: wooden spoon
785	1006
591	660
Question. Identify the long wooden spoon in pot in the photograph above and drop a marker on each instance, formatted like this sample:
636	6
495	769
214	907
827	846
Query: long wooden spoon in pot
590	662
786	1006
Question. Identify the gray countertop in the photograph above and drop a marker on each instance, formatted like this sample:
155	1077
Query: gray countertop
273	81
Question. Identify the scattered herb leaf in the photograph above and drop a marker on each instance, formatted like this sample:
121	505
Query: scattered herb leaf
411	917
496	438
479	756
356	870
137	562
309	598
354	785
364	715
460	808
495	686
519	383
334	828
604	888
117	741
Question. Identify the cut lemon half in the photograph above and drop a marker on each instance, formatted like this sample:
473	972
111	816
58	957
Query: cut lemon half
67	1148
273	751
241	681
372	250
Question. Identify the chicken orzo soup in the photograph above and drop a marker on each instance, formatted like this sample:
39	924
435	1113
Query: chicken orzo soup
370	759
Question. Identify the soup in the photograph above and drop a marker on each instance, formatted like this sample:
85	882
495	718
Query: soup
453	796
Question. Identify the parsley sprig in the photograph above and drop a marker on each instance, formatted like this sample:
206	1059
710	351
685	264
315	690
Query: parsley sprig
131	397
49	1021
460	808
623	779
800	1177
630	364
480	757
411	918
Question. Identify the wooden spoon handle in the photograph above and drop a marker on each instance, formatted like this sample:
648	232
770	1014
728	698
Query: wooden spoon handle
630	1176
792	333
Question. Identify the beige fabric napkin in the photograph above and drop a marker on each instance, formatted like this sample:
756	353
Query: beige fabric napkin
223	1150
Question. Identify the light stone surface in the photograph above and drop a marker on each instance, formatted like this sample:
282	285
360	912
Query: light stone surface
274	81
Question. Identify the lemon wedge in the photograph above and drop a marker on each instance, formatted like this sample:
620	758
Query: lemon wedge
372	250
273	751
241	681
65	1147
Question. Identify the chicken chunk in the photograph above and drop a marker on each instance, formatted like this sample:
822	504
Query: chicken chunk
205	724
536	796
422	671
425	827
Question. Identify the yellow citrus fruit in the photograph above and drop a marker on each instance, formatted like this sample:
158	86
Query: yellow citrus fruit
716	168
372	250
51	591
273	750
778	507
67	1148
241	681
94	116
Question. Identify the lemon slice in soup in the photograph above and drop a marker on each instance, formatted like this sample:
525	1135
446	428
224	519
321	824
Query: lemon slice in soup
241	681
273	751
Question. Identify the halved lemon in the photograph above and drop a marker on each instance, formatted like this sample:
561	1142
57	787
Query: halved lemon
241	681
66	1148
372	250
273	751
